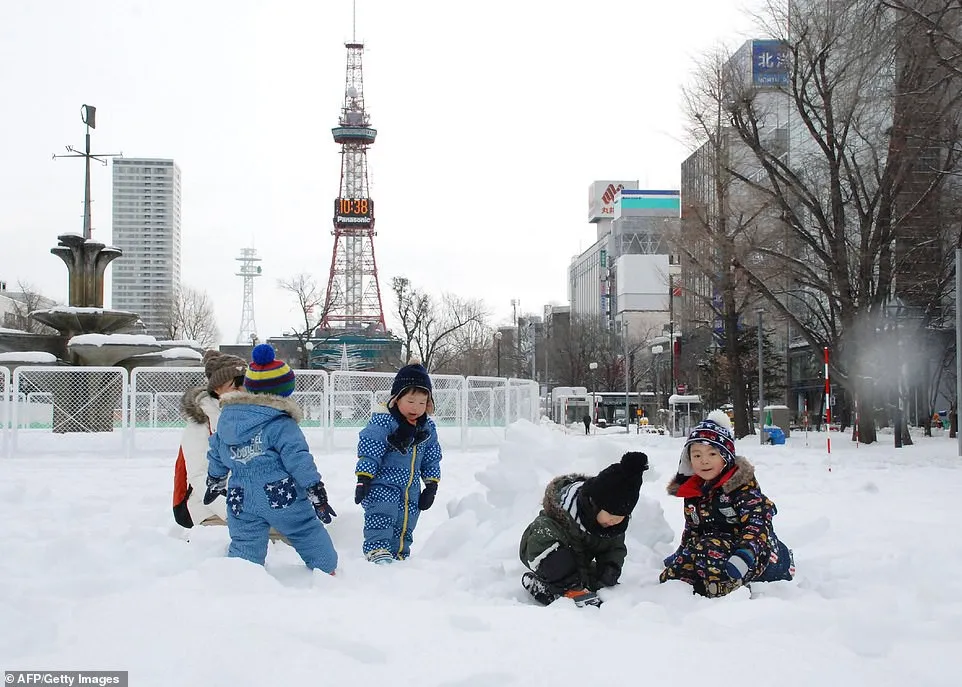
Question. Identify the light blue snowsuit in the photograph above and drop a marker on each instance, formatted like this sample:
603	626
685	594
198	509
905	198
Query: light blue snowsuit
260	443
391	507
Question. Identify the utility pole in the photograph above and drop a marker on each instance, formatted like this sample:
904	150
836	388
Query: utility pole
761	389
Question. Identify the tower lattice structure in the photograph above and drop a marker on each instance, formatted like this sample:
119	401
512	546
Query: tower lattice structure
353	299
248	270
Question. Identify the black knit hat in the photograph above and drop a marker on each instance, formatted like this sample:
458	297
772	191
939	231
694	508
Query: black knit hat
615	489
411	375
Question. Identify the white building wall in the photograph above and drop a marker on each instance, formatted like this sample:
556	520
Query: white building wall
147	228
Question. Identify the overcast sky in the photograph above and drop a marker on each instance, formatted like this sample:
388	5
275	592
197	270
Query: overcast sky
493	119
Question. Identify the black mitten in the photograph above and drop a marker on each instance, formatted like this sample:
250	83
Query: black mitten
362	488
427	495
608	577
317	495
560	569
216	486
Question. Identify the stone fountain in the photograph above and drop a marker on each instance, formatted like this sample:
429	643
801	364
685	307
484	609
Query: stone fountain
88	334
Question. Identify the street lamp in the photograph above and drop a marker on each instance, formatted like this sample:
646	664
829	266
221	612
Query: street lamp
594	398
656	351
497	338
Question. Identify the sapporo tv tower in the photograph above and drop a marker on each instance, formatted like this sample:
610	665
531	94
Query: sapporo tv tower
353	302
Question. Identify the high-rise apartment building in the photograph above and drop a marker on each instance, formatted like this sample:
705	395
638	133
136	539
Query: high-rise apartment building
146	227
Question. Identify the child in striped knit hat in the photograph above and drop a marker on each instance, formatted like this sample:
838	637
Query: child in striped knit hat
728	539
273	479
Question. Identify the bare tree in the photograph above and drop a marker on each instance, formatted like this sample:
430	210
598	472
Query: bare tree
850	190
190	316
939	22
572	349
413	308
432	329
310	310
26	301
471	352
721	222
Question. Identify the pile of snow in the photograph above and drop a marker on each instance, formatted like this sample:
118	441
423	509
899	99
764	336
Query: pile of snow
4	330
95	575
36	357
112	339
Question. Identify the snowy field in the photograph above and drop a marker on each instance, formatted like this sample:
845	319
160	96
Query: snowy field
93	575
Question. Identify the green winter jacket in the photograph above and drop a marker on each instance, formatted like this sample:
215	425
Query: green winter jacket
555	524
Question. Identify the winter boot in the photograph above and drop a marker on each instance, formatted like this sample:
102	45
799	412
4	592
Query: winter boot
380	557
781	566
538	589
583	597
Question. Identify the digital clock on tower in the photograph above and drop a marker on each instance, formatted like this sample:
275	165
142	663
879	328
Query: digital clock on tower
353	211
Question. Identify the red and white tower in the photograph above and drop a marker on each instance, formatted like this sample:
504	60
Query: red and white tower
353	292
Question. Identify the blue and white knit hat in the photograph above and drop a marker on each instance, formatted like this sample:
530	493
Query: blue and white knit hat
715	431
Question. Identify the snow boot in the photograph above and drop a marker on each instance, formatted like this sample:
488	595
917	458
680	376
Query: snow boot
380	557
538	589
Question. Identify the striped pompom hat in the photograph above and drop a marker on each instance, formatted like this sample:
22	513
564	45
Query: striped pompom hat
265	375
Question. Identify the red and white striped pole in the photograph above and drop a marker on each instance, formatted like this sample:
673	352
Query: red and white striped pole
828	410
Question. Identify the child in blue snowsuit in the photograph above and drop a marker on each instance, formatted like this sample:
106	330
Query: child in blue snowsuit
273	479
397	450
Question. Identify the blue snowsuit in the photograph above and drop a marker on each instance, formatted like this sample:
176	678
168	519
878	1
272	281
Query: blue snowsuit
260	443
391	506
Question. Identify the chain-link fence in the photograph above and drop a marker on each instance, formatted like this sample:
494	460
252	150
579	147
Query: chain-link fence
69	410
155	396
524	400
4	411
355	395
48	409
487	406
310	393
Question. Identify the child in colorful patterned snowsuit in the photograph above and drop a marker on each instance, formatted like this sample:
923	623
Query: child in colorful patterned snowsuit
576	545
273	479
728	538
397	450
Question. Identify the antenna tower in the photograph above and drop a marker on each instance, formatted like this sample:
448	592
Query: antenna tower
248	270
353	299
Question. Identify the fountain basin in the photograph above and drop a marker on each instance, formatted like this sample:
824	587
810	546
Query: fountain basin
74	321
106	350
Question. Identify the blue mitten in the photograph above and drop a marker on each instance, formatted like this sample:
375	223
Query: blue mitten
216	486
317	495
740	564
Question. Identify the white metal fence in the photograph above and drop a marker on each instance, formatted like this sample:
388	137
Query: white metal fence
97	410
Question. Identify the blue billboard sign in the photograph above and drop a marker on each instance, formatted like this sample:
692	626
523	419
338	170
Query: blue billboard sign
769	63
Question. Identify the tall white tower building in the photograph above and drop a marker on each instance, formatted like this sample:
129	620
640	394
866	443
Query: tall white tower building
146	227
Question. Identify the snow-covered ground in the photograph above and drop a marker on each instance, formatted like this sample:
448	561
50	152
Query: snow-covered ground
93	575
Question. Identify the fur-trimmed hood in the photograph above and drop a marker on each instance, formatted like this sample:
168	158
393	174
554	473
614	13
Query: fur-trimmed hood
282	403
196	405
551	503
244	415
744	474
